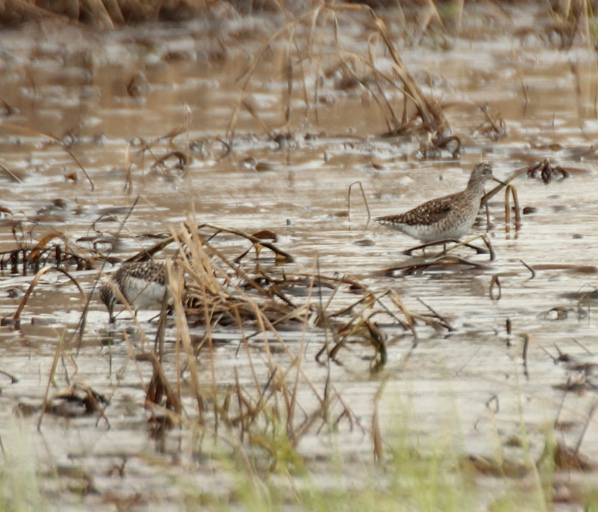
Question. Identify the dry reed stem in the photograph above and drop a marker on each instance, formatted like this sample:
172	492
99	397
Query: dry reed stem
289	77
277	382
511	191
383	103
248	74
251	109
441	319
319	42
183	336
302	429
346	58
197	248
247	350
430	113
355	326
101	14
292	405
29	131
11	174
17	315
159	384
158	380
246	299
258	314
407	324
441	261
253	239
397	300
365	201
151	251
589	420
365	329
98	13
43	242
299	359
376	430
348	413
57	352
378	338
360	323
467	243
28	11
495	283
196	263
203	264
367	298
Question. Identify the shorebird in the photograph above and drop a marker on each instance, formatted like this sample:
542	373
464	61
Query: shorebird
141	283
447	217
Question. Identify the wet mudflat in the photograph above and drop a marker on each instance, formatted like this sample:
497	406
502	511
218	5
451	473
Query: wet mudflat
154	127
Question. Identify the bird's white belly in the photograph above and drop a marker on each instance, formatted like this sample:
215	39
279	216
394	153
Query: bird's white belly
142	294
438	231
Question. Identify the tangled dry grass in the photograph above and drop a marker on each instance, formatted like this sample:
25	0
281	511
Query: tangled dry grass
216	290
567	20
101	14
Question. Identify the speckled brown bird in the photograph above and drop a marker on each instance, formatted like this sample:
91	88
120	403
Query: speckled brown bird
447	217
141	283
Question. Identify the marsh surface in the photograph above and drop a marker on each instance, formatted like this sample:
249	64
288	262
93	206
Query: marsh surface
467	384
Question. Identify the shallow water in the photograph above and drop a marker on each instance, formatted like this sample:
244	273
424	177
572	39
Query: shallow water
72	85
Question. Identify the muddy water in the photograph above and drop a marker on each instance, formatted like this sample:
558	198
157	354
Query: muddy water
469	382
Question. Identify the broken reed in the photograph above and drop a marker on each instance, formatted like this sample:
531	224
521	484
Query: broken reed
219	293
214	289
324	23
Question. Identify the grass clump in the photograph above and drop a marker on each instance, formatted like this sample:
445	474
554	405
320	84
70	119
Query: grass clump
20	489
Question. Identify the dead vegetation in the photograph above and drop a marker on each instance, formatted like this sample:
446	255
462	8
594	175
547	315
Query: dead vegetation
102	14
224	280
547	172
215	291
395	93
561	22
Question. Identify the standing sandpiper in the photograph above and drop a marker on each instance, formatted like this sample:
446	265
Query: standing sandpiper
142	284
447	217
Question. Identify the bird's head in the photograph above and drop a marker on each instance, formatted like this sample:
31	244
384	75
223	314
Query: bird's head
108	297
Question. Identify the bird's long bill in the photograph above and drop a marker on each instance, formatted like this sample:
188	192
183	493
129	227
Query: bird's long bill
501	182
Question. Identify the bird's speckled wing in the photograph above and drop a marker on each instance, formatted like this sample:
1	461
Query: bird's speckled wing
427	213
148	271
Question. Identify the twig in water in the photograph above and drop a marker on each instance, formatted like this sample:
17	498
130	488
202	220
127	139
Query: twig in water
11	174
511	191
365	201
529	268
582	346
376	432
442	319
13	379
585	427
495	283
525	346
